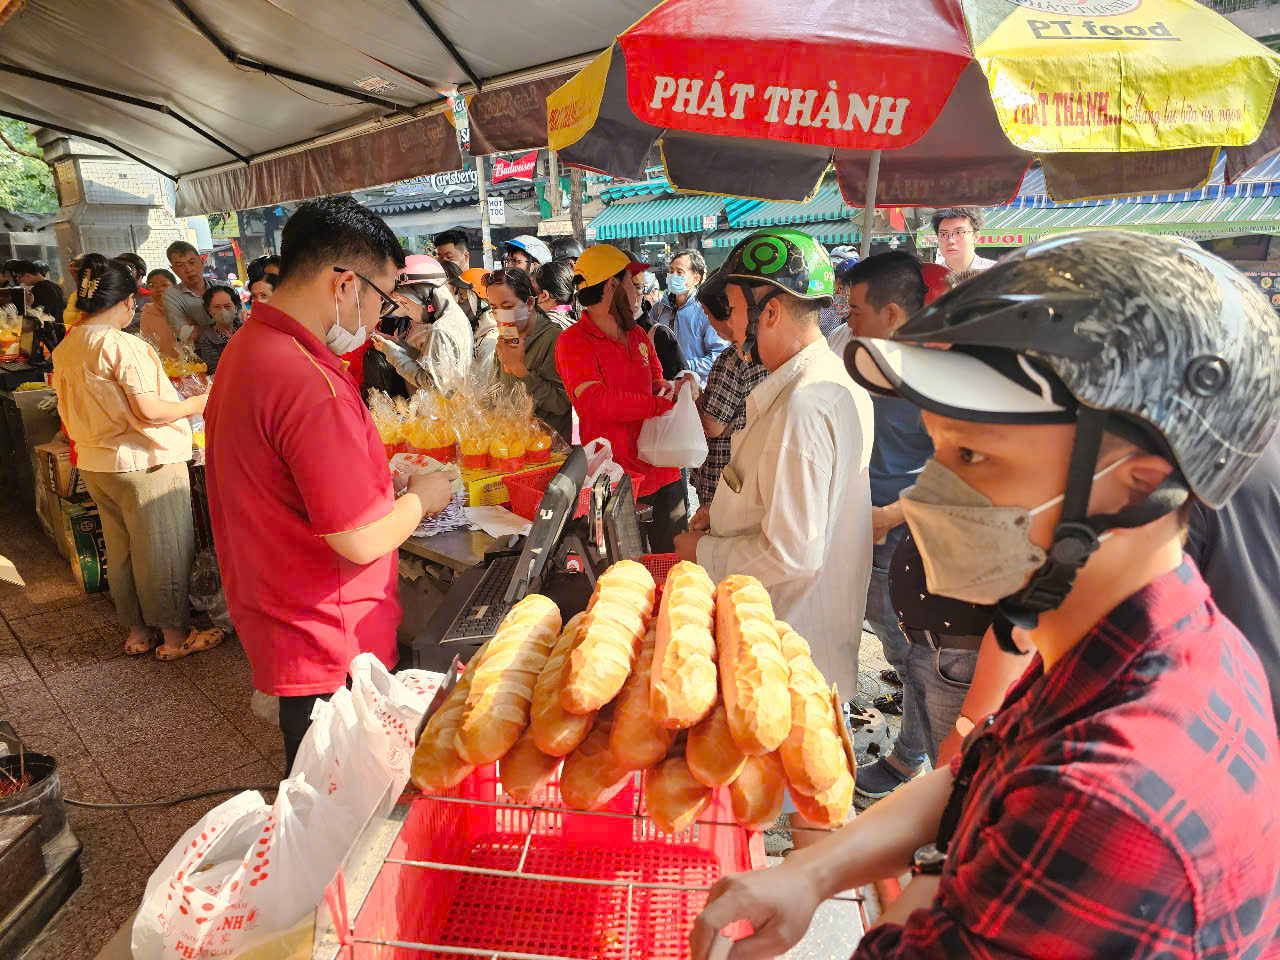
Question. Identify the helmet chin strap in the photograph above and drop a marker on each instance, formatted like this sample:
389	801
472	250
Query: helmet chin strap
1077	535
750	344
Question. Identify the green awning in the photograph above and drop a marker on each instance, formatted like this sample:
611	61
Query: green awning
652	218
831	233
826	205
1193	219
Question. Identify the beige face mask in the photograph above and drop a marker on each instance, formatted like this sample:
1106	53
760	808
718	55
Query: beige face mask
973	550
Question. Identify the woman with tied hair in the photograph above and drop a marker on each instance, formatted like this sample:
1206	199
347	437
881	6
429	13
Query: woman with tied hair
222	303
133	442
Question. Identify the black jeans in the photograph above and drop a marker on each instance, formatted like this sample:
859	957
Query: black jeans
670	515
295	721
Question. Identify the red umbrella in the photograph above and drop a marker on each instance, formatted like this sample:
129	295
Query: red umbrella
923	102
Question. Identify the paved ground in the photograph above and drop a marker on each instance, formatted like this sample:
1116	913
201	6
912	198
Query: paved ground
122	729
133	729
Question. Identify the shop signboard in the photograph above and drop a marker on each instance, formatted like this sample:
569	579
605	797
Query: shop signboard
521	168
224	225
497	211
1268	281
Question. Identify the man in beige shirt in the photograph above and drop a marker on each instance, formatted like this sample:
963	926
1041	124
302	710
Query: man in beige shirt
793	508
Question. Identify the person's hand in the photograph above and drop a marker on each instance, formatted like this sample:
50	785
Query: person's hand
664	389
701	522
687	380
409	306
379	342
884	519
199	402
779	903
687	545
511	354
433	489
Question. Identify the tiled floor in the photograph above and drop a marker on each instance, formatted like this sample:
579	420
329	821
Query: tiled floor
123	730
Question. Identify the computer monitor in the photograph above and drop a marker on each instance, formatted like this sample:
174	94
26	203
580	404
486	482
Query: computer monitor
556	507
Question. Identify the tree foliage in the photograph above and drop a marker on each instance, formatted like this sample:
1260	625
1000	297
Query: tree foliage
26	184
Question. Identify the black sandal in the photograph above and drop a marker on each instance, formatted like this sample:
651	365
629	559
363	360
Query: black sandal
890	705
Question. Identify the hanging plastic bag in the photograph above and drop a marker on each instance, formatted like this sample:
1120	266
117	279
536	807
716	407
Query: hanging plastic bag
676	438
249	870
600	461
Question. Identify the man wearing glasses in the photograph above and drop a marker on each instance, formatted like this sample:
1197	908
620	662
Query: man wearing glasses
306	526
957	229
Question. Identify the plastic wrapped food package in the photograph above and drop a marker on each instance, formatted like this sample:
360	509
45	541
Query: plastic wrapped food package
479	424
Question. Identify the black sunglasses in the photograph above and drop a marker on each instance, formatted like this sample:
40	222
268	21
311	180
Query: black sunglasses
389	306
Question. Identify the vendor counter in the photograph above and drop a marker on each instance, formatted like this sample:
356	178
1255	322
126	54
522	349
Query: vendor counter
458	550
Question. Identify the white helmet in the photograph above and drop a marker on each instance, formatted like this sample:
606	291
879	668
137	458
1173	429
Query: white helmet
534	247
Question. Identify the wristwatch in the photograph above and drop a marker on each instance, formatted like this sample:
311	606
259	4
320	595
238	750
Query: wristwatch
928	861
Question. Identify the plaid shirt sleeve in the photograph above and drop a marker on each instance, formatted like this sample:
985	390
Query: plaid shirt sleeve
722	399
1062	873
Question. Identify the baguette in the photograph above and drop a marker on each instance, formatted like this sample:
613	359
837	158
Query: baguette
436	765
591	777
526	770
497	709
713	755
792	644
636	740
813	753
683	688
757	793
615	622
828	809
555	730
753	674
672	797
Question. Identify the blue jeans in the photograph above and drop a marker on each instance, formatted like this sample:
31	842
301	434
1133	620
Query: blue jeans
910	748
939	681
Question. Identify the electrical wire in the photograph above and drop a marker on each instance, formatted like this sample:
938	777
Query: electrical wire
167	803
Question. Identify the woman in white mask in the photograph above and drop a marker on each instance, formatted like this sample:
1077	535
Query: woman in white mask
223	305
526	351
437	347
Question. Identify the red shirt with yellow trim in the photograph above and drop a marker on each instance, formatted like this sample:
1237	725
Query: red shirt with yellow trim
293	456
610	385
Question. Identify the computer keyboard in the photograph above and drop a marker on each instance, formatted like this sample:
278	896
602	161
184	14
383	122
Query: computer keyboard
488	605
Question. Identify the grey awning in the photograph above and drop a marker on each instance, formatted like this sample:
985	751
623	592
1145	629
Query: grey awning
308	76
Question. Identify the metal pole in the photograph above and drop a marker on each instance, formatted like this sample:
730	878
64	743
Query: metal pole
869	209
486	234
553	182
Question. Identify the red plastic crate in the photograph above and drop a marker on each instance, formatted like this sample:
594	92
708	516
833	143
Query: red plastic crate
527	489
531	913
660	564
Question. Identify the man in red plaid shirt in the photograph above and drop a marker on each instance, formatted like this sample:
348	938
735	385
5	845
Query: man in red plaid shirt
1123	802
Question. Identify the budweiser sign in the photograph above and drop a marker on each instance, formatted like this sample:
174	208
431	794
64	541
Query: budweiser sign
520	168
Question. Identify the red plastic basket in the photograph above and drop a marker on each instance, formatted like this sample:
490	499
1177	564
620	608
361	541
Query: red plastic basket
477	872
660	564
526	490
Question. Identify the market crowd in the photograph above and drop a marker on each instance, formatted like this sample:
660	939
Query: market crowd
1050	485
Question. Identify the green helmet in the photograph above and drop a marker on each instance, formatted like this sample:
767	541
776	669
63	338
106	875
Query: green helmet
792	261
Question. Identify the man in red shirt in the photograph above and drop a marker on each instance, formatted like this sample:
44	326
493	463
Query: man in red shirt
614	380
304	519
1122	803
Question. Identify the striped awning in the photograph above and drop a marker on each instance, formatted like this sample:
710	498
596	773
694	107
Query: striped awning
829	232
826	205
654	218
1194	219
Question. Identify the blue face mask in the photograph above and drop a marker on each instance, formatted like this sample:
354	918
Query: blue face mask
677	284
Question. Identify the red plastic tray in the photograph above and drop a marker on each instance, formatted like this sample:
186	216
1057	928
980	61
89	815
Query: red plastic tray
533	914
660	564
526	492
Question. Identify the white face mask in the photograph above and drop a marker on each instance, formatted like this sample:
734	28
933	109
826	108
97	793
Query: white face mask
338	339
225	315
973	550
517	316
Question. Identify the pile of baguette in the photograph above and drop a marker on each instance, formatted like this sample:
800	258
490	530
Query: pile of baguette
705	691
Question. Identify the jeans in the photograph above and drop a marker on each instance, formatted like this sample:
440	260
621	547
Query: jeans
670	515
295	721
910	748
940	680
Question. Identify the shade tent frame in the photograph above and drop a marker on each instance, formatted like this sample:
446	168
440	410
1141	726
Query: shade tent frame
93	138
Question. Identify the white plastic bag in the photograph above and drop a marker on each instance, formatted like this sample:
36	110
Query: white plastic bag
676	438
249	870
600	460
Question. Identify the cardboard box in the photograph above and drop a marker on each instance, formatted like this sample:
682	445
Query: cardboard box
487	487
57	475
86	548
49	510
